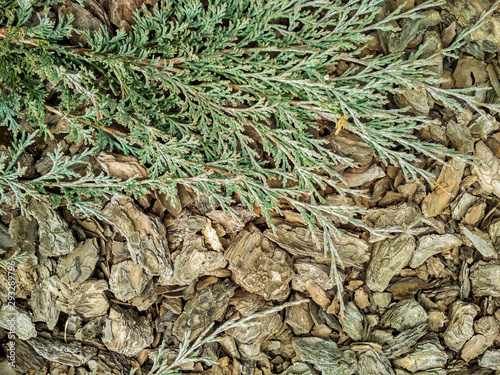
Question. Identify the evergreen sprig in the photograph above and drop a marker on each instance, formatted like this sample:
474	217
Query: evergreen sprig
188	351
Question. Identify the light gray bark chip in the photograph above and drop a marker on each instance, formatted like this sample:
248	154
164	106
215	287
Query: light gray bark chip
411	29
145	234
461	205
417	100
307	269
488	172
77	266
299	319
127	280
317	351
460	329
405	341
27	358
427	355
265	328
259	266
491	359
350	146
485	278
24	231
24	327
55	237
404	315
404	215
183	227
353	322
352	250
433	244
448	185
127	333
460	137
194	261
230	224
207	306
72	354
467	12
355	178
43	305
88	299
481	242
388	259
373	362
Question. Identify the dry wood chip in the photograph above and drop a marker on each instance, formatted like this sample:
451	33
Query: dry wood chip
460	329
211	237
229	223
351	146
24	327
145	234
77	266
353	322
461	205
405	341
88	299
207	306
388	259
260	266
299	319
437	320
488	172
265	328
247	303
432	244
357	178
404	315
194	261
447	186
481	241
43	305
485	278
27	359
206	281
55	237
122	167
314	350
183	227
361	298
307	269
127	333
352	250
460	137
473	348
318	295
491	359
404	215
426	356
72	354
475	214
127	280
374	362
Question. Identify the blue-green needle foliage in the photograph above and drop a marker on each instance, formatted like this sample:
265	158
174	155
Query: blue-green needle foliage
220	96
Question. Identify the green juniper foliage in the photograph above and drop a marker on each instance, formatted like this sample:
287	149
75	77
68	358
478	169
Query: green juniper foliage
188	350
220	96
